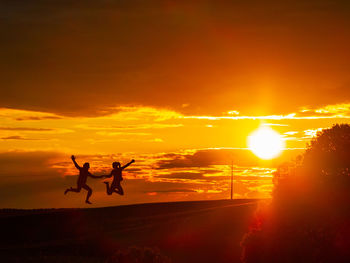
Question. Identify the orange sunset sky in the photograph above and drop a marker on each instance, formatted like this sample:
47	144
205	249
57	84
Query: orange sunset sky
176	85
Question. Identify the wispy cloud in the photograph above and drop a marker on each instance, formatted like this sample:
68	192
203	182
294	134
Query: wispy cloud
336	111
27	115
130	127
24	129
341	110
16	137
138	112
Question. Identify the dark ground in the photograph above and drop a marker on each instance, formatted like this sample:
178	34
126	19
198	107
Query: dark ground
202	231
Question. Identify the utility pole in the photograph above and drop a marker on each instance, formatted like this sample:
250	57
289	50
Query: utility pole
231	180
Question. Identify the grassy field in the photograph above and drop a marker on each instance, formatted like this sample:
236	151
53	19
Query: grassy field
201	231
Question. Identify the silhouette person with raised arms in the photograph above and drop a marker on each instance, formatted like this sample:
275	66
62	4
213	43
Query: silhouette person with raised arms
117	178
81	183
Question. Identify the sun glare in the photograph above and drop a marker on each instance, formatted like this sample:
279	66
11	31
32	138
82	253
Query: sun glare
266	143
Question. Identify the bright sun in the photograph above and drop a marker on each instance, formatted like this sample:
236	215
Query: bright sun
266	143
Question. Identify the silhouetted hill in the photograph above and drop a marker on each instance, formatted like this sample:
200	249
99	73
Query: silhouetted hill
201	231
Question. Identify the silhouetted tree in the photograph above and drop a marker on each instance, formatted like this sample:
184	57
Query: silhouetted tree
328	154
308	219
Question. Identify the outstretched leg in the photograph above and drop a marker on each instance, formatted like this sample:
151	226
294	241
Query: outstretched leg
109	190
119	190
89	193
76	190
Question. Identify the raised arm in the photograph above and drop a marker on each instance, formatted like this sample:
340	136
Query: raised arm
132	161
75	163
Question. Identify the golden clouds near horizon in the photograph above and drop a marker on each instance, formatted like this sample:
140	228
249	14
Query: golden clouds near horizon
145	129
178	156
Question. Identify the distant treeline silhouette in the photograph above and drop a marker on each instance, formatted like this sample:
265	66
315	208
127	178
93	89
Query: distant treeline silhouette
308	219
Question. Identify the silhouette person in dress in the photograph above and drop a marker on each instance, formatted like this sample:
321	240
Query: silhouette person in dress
81	183
117	178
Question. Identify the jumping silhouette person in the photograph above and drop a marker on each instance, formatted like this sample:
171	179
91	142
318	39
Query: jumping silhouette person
117	178
81	183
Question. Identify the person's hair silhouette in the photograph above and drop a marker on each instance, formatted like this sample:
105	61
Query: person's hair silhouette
81	183
117	178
